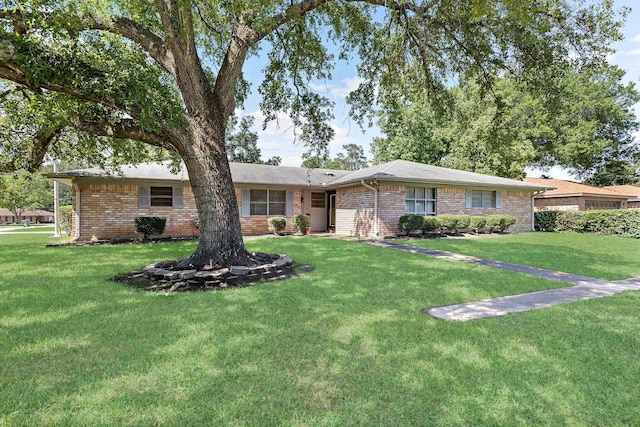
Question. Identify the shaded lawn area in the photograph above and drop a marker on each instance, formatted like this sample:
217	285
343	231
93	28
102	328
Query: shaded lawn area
602	257
343	345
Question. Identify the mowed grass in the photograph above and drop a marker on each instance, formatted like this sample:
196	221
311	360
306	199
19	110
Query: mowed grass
343	345
602	257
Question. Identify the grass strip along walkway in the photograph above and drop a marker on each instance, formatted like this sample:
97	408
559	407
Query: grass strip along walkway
583	287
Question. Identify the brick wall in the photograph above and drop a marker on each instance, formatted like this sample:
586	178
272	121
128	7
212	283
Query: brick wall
557	204
515	203
109	210
576	203
355	206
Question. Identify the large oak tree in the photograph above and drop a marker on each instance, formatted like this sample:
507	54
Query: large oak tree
168	73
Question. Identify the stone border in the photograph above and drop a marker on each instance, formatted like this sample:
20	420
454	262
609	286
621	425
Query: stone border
154	278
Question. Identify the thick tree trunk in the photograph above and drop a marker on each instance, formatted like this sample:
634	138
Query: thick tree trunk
221	240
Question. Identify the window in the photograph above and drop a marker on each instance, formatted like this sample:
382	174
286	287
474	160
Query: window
483	199
318	200
593	204
267	202
160	196
420	200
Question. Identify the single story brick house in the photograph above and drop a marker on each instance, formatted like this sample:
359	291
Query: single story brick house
365	203
34	216
574	196
632	190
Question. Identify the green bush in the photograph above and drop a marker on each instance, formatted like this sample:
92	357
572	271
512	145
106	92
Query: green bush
464	221
617	222
507	222
430	224
545	220
300	224
448	222
65	215
150	225
410	222
571	221
277	225
477	223
493	222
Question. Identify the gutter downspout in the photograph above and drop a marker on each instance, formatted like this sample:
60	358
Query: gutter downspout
77	231
375	206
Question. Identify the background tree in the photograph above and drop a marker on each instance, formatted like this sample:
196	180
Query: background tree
353	159
242	146
21	190
586	125
168	73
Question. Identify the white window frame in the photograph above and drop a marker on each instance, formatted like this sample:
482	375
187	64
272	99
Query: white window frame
427	200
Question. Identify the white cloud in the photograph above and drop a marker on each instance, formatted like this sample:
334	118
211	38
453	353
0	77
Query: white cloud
636	38
338	90
633	52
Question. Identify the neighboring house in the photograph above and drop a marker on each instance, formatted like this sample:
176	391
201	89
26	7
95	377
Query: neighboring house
367	202
573	196
34	216
631	190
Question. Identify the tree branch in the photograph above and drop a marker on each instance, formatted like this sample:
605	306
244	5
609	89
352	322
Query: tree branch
11	70
128	28
124	129
294	11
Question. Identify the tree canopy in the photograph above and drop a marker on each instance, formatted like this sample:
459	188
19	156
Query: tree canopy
352	159
585	125
242	146
168	73
21	190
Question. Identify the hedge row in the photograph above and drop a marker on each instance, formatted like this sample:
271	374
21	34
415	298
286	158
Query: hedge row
454	223
616	222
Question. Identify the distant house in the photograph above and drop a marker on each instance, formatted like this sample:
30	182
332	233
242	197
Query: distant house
367	202
632	190
574	196
34	216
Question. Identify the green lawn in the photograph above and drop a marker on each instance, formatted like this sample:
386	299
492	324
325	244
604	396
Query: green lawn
603	257
343	345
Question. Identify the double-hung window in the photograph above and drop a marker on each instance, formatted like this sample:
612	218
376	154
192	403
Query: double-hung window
420	200
267	202
160	197
483	199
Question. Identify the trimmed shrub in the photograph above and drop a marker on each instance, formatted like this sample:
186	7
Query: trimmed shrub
477	223
277	225
571	221
300	224
430	224
617	222
493	222
410	222
65	215
507	222
448	222
545	220
150	225
464	221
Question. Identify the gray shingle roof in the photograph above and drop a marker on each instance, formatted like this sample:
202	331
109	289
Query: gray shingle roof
405	171
242	173
245	173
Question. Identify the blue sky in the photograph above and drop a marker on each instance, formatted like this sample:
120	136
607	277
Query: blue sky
278	139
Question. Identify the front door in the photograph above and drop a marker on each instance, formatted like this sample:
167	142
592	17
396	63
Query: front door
318	211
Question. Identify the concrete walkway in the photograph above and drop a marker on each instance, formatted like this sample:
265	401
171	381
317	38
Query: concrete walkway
584	287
